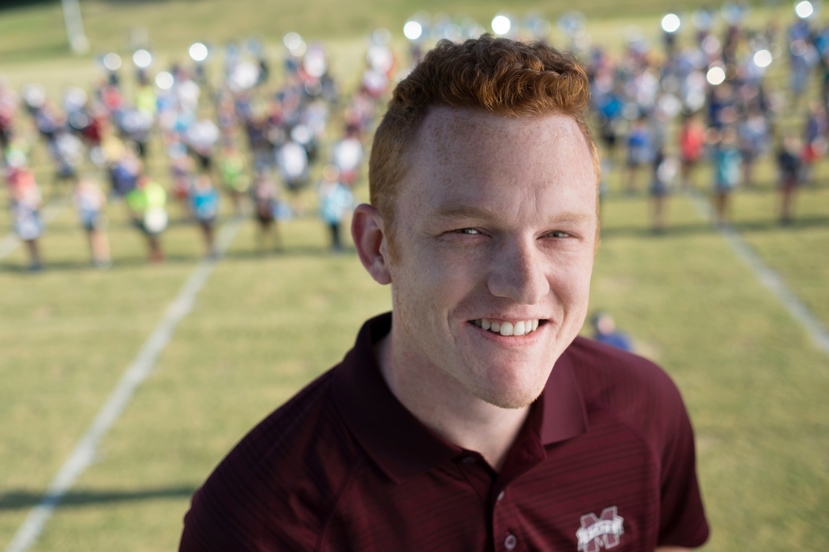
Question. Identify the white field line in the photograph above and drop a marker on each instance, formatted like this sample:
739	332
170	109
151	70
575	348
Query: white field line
85	449
10	241
768	277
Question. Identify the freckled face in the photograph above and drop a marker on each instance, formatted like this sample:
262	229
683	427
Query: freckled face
496	224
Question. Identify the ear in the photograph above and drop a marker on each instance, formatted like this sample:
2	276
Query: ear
369	237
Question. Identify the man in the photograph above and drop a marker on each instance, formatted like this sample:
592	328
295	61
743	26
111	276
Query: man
471	417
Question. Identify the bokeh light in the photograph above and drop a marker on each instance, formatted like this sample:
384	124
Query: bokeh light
670	23
804	9
715	75
164	80
112	61
501	25
142	58
295	44
413	30
198	52
292	40
762	58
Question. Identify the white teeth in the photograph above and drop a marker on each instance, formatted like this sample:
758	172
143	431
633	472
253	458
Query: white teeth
522	327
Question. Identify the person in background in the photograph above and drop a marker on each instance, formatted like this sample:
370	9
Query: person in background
124	169
691	146
234	178
147	203
90	202
205	204
727	161
790	167
664	171
814	141
8	109
604	331
264	197
292	162
25	204
348	156
67	152
753	132
640	151
181	170
201	139
335	201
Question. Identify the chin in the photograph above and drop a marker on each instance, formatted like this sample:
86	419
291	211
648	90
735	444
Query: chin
510	401
510	396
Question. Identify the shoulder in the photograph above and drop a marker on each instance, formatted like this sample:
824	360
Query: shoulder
280	482
638	393
598	365
631	388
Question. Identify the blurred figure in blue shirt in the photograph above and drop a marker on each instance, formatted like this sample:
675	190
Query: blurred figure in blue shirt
604	331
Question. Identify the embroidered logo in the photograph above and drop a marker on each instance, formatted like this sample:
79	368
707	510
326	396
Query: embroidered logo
595	531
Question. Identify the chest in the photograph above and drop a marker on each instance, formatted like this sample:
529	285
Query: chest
597	492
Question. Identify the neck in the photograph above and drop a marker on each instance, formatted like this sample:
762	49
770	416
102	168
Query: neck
443	405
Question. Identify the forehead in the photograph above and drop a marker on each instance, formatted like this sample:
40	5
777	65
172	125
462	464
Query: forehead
475	157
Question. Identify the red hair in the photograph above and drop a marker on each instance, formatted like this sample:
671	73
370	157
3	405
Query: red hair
495	75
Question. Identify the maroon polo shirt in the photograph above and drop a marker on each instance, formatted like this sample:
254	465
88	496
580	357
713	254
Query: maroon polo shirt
604	461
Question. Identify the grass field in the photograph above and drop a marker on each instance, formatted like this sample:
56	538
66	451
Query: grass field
265	324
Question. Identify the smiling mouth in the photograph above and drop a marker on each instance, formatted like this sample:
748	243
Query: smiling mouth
523	327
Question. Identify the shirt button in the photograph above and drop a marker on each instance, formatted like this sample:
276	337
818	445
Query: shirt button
500	496
510	542
468	460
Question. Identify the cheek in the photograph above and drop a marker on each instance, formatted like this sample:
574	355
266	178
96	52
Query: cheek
442	272
572	282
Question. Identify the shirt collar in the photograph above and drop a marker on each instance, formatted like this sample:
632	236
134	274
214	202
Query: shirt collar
391	435
398	442
563	415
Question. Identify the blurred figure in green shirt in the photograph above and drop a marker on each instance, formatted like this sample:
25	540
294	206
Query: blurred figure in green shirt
147	203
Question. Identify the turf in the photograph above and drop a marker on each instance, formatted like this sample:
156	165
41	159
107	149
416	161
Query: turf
266	324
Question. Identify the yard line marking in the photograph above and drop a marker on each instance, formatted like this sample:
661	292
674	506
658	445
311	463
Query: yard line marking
768	277
10	241
84	452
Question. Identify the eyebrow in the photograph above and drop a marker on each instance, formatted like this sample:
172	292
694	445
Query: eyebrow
466	211
487	213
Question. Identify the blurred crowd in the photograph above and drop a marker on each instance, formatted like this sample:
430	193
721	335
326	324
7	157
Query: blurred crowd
662	112
267	128
182	141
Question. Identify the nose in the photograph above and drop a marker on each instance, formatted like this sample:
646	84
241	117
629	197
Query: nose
518	272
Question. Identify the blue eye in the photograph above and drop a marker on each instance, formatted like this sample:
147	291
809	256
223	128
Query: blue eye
467	231
558	234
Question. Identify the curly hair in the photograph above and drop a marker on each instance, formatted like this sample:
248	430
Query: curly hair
495	75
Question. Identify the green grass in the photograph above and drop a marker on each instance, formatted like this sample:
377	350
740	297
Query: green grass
264	325
752	380
177	23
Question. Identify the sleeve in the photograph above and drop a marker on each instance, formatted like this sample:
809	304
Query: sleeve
682	519
246	506
212	524
221	519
